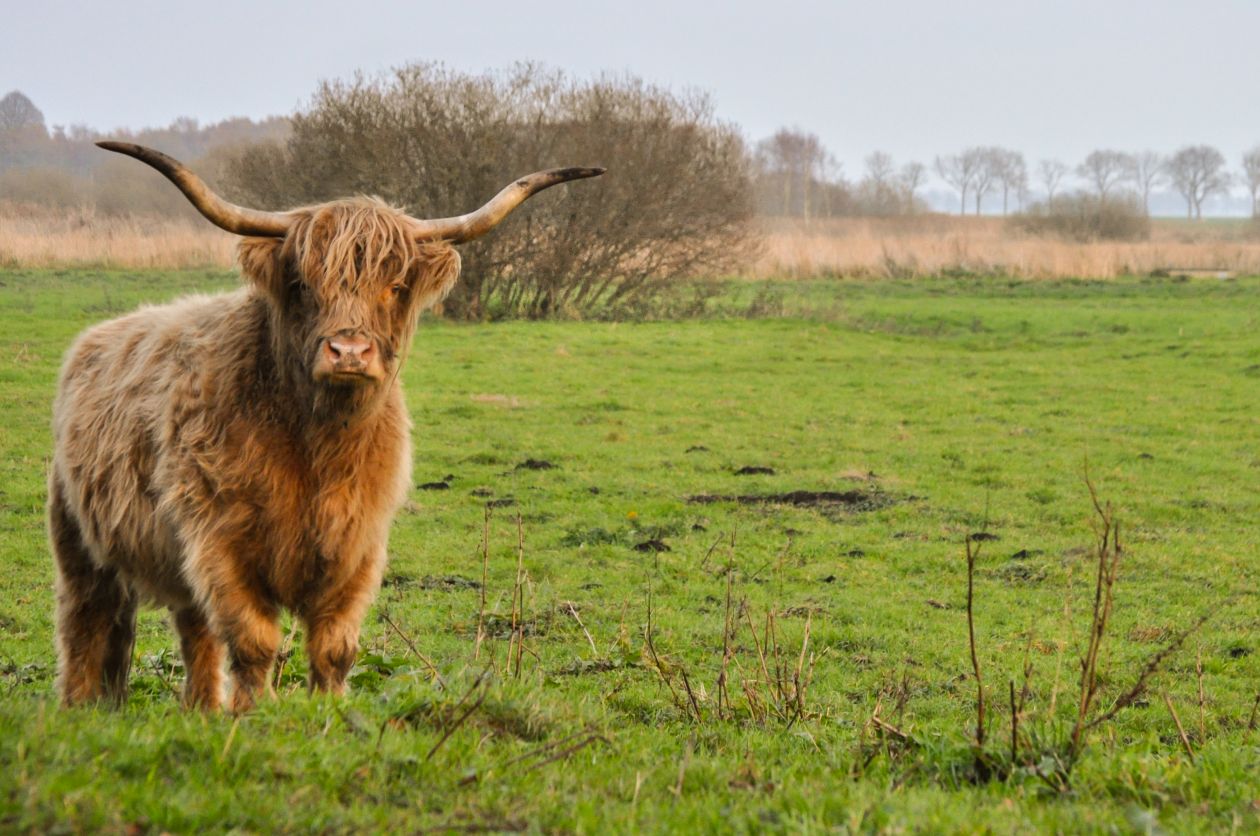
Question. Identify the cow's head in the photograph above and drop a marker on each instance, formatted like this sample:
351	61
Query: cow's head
347	280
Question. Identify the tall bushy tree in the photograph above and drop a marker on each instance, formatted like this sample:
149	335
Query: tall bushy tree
793	168
440	142
1051	173
1012	174
1146	172
1197	172
960	171
1104	169
18	112
22	131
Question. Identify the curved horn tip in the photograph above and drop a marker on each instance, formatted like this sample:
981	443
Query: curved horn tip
120	147
580	172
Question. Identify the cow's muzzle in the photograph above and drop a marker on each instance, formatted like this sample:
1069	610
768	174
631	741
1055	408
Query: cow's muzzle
348	357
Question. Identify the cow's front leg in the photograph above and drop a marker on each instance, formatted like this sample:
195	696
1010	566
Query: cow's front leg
332	629
251	631
332	644
242	618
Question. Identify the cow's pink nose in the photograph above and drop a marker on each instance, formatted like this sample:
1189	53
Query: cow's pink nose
349	351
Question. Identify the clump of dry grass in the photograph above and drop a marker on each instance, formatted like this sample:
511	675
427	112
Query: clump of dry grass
33	236
931	245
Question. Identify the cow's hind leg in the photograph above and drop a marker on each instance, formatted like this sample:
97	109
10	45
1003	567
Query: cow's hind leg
203	660
96	615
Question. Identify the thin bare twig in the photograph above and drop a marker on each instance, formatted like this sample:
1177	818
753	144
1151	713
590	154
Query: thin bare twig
459	721
1181	730
412	647
573	612
1108	557
709	553
723	697
1148	670
518	602
1198	670
485	573
1014	726
973	551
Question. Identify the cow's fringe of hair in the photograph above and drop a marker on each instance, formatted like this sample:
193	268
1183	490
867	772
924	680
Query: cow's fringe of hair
354	241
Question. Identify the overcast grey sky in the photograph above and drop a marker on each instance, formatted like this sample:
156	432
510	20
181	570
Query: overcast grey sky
911	77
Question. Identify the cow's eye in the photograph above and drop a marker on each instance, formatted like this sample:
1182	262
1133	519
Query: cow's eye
397	288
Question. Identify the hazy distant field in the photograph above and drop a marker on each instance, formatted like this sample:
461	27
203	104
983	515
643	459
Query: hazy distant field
905	247
921	403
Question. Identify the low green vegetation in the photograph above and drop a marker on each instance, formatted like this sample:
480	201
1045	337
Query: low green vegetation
672	644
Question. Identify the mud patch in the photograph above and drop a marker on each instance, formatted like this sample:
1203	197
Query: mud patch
535	464
502	502
1018	571
500	626
804	611
434	486
448	583
755	470
652	545
1150	633
578	537
697	448
584	667
855	500
398	580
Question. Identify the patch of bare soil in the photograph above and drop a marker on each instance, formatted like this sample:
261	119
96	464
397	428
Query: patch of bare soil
855	500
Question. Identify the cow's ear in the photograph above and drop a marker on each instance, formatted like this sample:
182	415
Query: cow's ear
262	263
435	274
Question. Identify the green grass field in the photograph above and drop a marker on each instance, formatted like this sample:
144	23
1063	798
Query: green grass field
941	403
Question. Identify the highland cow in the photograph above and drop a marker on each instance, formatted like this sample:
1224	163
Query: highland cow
228	456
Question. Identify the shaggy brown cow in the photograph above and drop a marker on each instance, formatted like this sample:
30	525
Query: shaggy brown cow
227	456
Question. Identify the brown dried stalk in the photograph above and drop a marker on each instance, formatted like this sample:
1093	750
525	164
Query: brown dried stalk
1181	730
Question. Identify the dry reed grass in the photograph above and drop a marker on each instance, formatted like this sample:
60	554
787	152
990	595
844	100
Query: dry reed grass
924	245
933	244
40	237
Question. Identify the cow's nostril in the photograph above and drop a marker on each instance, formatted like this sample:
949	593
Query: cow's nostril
349	348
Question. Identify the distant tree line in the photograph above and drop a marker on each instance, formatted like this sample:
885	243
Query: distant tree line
60	167
790	174
797	176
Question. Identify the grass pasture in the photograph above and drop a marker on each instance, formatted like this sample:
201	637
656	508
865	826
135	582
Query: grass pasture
935	409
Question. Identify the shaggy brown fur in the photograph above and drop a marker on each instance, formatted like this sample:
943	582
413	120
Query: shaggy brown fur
201	466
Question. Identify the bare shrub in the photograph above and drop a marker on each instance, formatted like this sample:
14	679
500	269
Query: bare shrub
1082	217
437	141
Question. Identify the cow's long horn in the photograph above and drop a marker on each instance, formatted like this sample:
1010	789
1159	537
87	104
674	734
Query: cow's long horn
218	211
475	224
